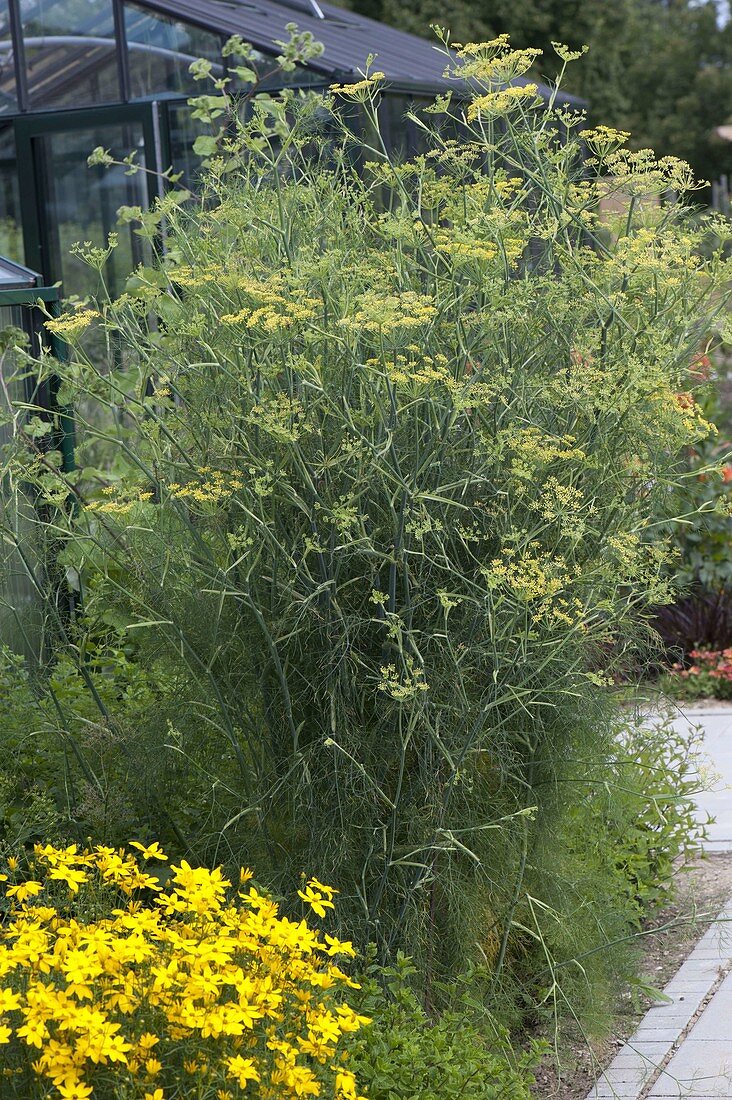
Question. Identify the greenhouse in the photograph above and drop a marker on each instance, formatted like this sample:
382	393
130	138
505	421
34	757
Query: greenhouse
77	74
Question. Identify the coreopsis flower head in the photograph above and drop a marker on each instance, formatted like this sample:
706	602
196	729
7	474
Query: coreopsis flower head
151	851
317	899
24	890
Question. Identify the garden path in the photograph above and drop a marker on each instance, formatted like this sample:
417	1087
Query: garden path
716	798
683	1047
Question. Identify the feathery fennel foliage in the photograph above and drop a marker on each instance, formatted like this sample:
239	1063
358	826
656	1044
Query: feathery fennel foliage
380	528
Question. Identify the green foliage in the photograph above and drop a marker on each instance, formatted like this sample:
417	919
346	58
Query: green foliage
381	524
704	498
406	1054
79	757
662	70
701	616
621	824
642	815
28	809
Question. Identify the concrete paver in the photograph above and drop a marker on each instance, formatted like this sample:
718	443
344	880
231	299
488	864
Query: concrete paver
717	799
692	1049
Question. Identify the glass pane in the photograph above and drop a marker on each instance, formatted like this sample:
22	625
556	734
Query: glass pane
11	317
160	51
81	203
8	93
70	52
183	131
11	232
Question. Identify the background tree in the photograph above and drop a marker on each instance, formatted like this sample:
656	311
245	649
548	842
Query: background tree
659	68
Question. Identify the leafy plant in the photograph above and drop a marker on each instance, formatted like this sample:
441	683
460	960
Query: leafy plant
407	1055
605	867
391	445
701	615
647	808
78	756
707	675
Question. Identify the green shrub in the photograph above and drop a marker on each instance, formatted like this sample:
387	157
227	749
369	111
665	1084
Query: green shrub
381	524
633	817
407	1055
701	615
608	865
78	755
704	497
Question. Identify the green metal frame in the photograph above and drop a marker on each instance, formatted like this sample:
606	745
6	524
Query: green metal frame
30	128
63	437
29	296
152	116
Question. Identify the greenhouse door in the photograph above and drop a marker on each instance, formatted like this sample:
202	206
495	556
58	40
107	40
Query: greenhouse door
64	201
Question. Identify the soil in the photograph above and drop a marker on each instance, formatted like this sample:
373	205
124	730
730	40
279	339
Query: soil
702	889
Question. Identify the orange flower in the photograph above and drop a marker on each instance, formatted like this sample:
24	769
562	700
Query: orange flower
685	400
701	368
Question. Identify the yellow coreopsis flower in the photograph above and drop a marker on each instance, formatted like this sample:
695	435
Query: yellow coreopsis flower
243	1069
317	902
24	890
9	1000
147	1041
34	1032
70	875
151	851
74	1090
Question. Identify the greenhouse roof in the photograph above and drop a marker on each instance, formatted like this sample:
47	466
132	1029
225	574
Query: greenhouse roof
348	38
69	53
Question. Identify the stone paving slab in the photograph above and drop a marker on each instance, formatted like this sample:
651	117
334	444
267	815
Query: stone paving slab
716	800
699	1066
